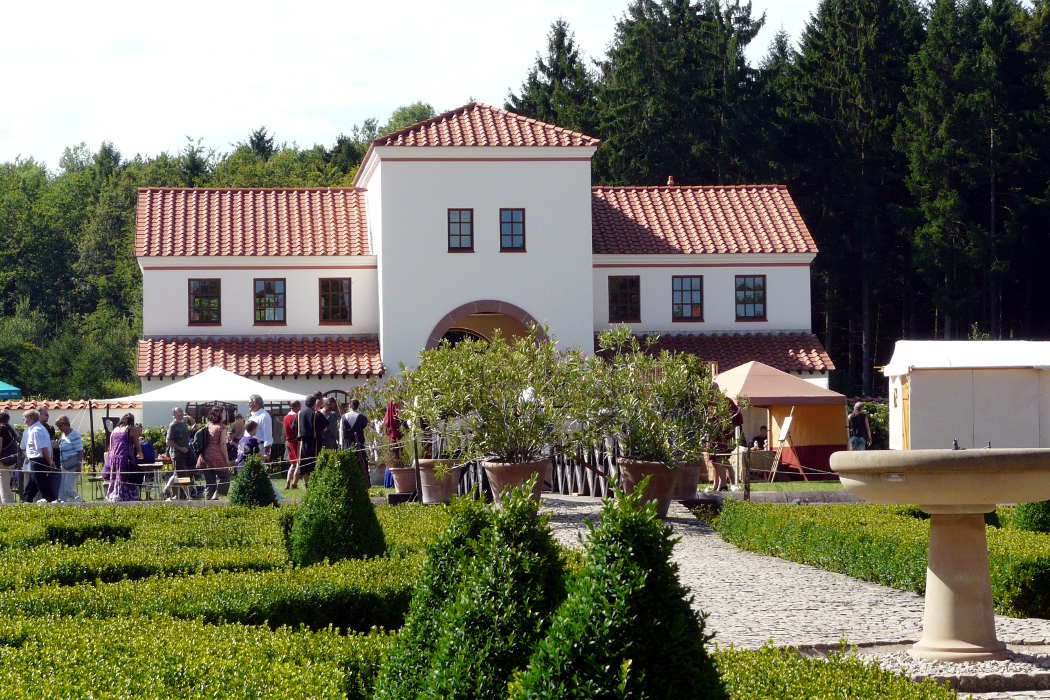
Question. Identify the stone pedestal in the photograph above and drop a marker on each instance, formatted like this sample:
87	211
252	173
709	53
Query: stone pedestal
958	623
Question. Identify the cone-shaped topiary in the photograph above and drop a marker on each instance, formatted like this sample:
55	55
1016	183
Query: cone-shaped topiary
503	605
627	628
1034	517
336	520
252	486
407	660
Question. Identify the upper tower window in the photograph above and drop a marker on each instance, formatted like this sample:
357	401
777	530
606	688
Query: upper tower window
460	230
512	230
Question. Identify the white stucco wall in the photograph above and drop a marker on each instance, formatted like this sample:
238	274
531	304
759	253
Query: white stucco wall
165	302
787	290
975	406
420	281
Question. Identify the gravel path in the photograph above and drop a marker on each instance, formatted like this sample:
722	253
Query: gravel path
753	598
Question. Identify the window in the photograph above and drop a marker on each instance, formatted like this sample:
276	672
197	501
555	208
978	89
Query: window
205	304
461	230
335	301
687	298
750	297
269	302
512	230
625	304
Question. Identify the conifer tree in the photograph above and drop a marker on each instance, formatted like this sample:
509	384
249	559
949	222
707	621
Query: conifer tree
336	520
626	628
559	88
252	485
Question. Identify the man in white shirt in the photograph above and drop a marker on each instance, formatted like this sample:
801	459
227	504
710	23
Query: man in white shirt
37	445
264	432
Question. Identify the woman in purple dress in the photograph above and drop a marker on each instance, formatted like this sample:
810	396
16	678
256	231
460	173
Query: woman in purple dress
120	462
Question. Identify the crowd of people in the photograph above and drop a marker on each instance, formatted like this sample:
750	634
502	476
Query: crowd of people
44	463
52	459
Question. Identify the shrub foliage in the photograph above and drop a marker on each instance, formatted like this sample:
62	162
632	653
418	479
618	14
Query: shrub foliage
405	666
1034	517
503	606
878	543
252	485
627	628
336	520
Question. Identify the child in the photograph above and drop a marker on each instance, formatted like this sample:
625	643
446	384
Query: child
247	445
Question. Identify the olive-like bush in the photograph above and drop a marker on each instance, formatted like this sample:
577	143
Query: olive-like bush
336	520
1033	517
404	669
627	628
502	608
252	485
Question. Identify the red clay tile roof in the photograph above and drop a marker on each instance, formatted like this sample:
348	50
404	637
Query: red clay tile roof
788	352
200	221
64	405
356	355
477	124
664	220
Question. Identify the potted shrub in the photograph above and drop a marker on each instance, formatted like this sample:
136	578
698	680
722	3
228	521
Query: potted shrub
659	407
496	401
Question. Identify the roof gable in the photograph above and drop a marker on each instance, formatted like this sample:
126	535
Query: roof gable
477	124
174	221
697	220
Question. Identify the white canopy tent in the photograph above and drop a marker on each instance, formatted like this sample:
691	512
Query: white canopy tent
213	384
973	392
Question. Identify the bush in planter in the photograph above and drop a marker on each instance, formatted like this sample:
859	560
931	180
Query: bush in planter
336	519
503	401
252	485
626	628
502	606
661	407
405	666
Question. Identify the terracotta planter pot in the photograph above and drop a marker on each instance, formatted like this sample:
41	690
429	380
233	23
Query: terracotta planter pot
503	477
660	487
686	479
437	490
404	479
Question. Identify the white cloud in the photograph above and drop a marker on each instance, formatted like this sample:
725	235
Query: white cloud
146	75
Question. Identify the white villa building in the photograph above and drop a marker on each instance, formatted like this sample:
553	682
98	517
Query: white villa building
473	220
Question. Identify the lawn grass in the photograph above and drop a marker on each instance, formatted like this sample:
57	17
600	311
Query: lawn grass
796	486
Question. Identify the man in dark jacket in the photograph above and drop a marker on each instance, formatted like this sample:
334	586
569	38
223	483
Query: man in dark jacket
352	436
309	428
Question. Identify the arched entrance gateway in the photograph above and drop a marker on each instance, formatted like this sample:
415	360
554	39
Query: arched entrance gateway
481	319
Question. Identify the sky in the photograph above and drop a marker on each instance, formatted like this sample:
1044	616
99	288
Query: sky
148	75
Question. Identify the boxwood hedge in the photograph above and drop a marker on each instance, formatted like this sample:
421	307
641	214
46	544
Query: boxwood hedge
783	674
347	596
143	658
888	546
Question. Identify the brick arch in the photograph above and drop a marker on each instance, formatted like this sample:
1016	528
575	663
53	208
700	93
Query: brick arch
449	320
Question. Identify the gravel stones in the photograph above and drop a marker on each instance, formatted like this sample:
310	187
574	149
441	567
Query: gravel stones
752	598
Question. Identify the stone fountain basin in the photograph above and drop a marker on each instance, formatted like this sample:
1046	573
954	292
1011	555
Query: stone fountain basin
948	478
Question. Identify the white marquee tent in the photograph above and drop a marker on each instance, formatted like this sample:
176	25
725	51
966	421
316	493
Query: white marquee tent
213	384
973	391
